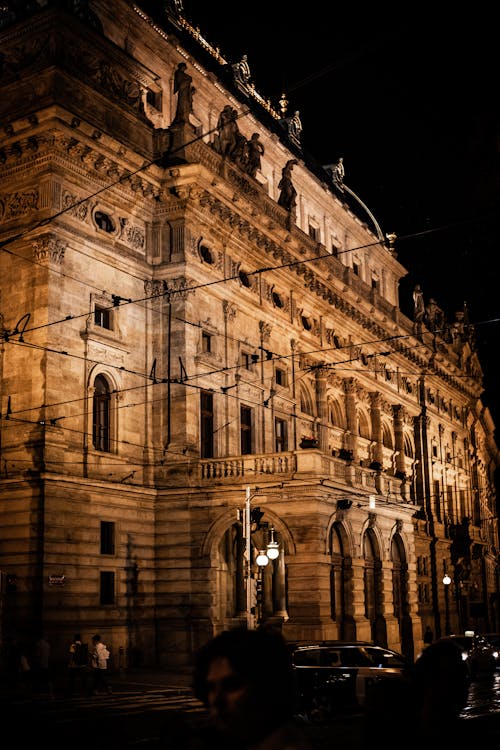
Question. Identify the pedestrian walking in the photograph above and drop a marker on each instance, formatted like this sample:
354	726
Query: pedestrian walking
42	678
99	664
428	636
78	665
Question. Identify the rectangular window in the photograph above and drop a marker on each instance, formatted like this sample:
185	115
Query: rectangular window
463	504
154	98
207	424
102	317
107	538
107	587
280	435
280	377
246	429
246	360
437	499
314	232
449	503
206	342
356	268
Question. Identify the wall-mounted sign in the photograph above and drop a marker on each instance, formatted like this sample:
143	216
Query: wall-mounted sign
56	580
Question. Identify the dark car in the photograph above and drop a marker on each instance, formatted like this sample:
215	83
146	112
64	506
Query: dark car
477	652
334	677
494	641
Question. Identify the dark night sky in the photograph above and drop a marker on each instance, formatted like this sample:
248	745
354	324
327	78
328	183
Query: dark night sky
412	104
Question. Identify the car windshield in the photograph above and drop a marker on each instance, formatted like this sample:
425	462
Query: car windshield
383	658
464	641
347	656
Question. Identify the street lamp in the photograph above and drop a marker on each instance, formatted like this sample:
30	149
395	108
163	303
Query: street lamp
446	584
262	560
273	548
270	553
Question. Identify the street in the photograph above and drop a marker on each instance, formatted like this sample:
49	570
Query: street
133	717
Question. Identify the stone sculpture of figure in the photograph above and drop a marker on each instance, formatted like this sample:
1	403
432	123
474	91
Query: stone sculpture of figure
228	137
295	127
434	316
288	193
241	72
418	304
338	173
175	6
184	89
255	151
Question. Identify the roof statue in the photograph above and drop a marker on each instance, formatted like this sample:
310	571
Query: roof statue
293	127
241	74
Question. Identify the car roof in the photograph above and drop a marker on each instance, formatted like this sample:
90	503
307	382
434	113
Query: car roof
330	644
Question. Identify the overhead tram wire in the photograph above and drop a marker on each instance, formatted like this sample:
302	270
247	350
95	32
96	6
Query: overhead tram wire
223	389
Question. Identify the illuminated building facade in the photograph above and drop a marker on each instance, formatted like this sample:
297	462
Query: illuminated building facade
189	308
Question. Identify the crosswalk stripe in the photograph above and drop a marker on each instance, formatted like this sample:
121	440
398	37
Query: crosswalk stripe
62	710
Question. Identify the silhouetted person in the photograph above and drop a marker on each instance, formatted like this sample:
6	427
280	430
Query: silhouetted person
78	665
245	679
424	705
428	636
42	676
99	660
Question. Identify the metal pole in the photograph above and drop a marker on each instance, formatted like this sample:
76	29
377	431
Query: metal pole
446	583
248	560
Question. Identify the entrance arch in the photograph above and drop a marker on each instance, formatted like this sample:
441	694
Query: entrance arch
373	584
400	594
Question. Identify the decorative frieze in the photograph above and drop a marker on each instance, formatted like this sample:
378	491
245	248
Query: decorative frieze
48	249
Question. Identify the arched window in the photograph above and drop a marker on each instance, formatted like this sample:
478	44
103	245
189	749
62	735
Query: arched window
306	402
101	425
206	254
408	447
386	437
363	425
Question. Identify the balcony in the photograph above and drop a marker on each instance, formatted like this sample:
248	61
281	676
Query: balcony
308	464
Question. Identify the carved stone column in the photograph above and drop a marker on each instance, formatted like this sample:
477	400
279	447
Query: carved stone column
321	375
398	416
350	396
378	451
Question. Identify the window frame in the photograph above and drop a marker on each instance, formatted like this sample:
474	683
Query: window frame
101	415
246	430
107	588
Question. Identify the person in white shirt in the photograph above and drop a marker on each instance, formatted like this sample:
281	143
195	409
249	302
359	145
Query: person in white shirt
99	663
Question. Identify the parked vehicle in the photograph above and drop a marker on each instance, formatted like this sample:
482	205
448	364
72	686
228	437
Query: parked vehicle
477	652
334	677
494	640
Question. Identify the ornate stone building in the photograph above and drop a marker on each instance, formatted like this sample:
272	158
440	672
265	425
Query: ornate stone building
203	351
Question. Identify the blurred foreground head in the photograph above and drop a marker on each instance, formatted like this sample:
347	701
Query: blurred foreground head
442	683
245	679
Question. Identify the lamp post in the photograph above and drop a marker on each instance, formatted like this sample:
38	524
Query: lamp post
253	589
446	584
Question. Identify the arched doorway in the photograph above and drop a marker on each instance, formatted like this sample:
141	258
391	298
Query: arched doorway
341	585
373	588
269	583
400	594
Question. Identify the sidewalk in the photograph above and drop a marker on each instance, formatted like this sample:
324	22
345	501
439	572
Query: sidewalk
120	680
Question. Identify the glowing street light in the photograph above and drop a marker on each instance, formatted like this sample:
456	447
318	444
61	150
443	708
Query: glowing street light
446	584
